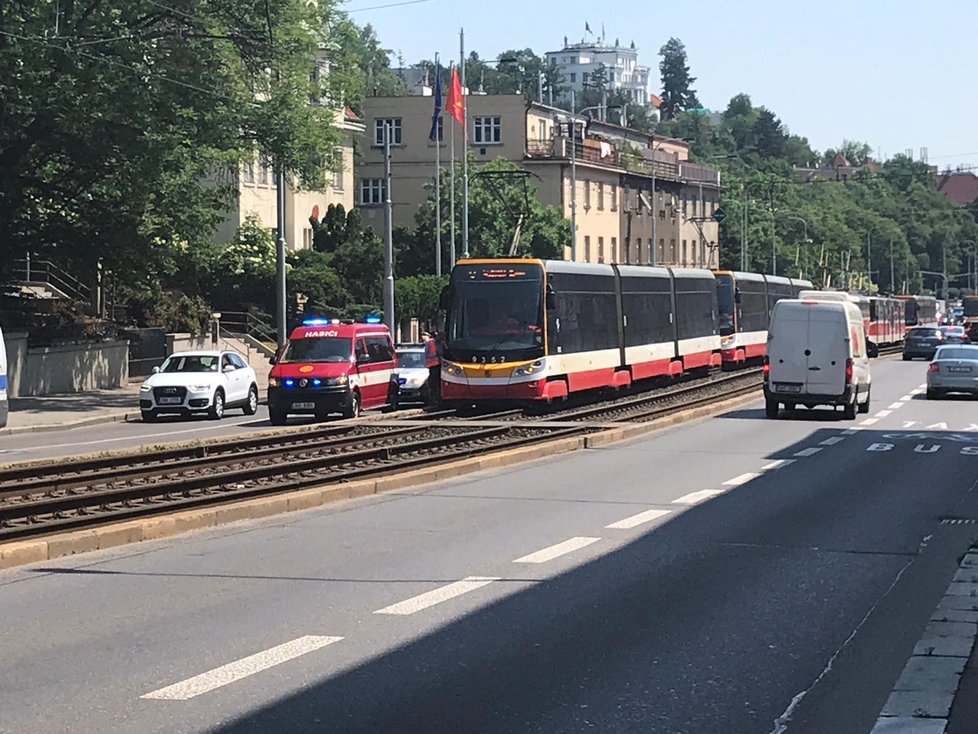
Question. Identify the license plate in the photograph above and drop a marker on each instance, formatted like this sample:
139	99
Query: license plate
170	401
787	388
303	406
959	369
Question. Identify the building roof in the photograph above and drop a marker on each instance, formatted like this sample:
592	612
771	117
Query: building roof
960	188
351	116
655	100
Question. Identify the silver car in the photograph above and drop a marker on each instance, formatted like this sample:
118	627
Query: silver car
413	375
954	369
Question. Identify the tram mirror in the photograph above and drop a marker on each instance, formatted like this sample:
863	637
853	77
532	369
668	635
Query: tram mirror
551	297
737	298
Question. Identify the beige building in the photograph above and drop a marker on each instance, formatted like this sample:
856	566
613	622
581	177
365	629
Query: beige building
257	194
616	170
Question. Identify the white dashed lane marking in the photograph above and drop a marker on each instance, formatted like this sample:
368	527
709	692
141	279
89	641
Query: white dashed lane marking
742	479
852	431
869	421
895	406
883	413
437	596
905	398
809	451
696	497
222	676
779	464
832	441
556	551
640	519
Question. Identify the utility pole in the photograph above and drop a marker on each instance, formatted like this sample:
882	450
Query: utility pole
281	244
388	235
892	270
465	151
438	135
573	196
869	259
655	213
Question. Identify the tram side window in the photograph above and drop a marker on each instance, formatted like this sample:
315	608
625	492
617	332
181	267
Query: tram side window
753	309
648	315
776	292
695	310
587	321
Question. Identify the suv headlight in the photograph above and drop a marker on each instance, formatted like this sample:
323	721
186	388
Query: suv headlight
200	388
334	381
145	387
529	369
451	369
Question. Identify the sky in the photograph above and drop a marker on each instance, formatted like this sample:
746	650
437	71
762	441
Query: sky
898	75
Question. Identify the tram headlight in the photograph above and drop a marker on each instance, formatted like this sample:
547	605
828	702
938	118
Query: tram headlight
451	369
529	369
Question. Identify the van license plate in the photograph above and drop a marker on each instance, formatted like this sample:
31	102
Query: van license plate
787	388
170	401
303	406
959	369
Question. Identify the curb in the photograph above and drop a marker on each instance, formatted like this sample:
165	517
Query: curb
921	699
19	553
80	423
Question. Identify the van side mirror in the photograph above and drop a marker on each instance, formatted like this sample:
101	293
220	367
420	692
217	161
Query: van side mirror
273	359
872	349
445	299
156	370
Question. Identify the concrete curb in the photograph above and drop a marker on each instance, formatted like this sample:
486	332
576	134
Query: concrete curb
921	699
80	423
162	526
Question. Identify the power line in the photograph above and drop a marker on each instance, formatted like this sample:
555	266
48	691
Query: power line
389	5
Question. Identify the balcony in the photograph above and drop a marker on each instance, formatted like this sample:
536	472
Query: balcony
694	173
588	151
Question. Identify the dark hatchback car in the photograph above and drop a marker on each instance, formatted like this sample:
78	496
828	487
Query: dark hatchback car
922	342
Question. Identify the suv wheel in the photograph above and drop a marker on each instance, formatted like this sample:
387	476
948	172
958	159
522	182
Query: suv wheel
216	411
251	407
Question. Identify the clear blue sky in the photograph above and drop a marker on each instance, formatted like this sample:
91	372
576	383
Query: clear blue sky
896	74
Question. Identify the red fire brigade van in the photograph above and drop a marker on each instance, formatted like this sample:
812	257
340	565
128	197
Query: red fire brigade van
332	366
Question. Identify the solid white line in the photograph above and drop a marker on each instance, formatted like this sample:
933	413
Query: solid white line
883	413
869	421
809	451
437	596
696	497
640	519
895	406
556	551
779	464
742	479
222	676
832	441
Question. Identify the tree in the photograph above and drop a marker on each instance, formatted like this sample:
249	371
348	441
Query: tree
123	133
418	296
369	63
677	84
769	134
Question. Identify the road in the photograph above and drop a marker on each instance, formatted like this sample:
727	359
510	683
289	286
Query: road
730	575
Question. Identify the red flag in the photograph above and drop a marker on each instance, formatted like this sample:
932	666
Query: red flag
455	105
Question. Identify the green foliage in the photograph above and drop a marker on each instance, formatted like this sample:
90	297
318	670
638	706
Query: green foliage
417	297
677	85
312	275
364	64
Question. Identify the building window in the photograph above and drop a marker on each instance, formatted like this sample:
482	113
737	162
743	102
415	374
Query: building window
600	196
372	191
307	238
488	130
395	123
587	248
600	249
614	198
584	77
573	77
338	171
662	214
638	250
587	194
614	249
249	172
684	253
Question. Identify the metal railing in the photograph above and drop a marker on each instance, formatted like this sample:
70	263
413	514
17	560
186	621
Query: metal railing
244	323
33	270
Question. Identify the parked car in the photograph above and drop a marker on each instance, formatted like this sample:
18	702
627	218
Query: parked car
922	341
199	382
954	369
413	374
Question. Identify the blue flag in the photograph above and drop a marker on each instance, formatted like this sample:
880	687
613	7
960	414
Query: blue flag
433	135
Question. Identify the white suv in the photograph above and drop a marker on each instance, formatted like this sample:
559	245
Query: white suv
199	382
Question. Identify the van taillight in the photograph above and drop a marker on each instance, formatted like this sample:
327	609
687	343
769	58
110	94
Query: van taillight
848	371
766	369
934	368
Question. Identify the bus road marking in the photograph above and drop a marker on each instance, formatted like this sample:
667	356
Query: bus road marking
811	451
832	441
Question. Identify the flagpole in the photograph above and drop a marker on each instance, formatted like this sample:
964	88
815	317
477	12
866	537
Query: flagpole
438	136
465	151
451	185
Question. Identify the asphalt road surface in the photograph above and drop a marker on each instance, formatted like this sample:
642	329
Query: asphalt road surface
731	575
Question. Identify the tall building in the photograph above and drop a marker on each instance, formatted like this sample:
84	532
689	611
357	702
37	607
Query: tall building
614	174
579	62
257	193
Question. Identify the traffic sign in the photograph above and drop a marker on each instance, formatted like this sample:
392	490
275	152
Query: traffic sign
719	215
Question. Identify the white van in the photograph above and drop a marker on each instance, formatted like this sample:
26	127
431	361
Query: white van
817	354
4	405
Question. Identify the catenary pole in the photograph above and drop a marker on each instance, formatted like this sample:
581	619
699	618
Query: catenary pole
465	150
438	129
388	235
280	248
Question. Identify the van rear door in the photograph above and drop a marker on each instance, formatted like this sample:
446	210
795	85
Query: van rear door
787	341
828	350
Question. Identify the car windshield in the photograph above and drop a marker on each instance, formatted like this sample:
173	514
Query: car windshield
320	349
191	363
924	333
956	330
410	360
957	353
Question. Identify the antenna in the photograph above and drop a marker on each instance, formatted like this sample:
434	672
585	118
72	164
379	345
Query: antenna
923	155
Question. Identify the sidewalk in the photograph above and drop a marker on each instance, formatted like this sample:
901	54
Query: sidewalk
71	410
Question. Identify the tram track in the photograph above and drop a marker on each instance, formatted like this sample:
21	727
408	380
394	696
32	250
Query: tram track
40	500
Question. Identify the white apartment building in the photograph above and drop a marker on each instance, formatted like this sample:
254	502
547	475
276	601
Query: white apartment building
579	61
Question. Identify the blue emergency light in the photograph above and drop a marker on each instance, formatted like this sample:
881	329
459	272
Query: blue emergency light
290	383
317	382
373	319
316	322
